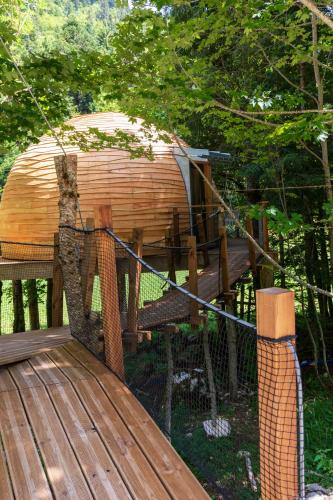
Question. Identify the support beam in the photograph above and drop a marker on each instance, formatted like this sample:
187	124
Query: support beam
176	234
193	278
89	263
251	247
106	256
134	277
57	287
207	170
202	239
277	394
170	255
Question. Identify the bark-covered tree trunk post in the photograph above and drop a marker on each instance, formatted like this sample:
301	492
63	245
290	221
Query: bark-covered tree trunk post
66	169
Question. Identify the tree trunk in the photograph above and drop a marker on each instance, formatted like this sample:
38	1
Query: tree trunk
33	304
66	168
19	324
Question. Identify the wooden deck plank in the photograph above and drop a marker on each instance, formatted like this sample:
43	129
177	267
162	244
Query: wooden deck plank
47	371
25	468
24	375
100	471
6	491
71	368
59	460
21	346
175	475
135	469
6	382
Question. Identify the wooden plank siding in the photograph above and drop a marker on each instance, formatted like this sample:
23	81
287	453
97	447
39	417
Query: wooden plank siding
71	429
146	190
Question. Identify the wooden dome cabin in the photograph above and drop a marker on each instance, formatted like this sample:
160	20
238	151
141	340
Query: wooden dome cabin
142	193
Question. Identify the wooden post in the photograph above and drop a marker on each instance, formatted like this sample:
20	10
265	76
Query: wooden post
57	287
170	255
32	293
106	255
176	235
134	277
207	170
228	297
224	268
264	224
18	307
251	247
88	268
169	330
193	278
49	291
202	238
277	394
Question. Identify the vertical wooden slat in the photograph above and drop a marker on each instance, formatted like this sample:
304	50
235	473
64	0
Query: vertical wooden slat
252	251
264	223
18	307
32	292
49	290
58	287
202	239
277	395
106	256
134	277
89	265
170	254
207	169
224	269
193	278
176	234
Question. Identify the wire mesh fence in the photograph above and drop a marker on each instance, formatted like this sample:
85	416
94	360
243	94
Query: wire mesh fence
192	365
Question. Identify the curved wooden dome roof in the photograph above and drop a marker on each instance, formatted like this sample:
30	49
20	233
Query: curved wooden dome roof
142	192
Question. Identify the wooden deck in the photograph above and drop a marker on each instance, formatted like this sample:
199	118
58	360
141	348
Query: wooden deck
174	306
19	346
71	429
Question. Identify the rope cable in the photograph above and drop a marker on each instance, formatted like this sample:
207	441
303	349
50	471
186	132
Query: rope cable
244	231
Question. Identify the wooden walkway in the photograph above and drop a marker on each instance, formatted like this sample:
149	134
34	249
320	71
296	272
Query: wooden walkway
71	429
174	306
19	346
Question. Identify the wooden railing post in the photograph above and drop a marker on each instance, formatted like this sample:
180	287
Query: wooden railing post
224	268
176	234
207	170
89	265
277	394
134	276
228	298
170	255
251	247
57	287
193	278
202	238
264	226
106	256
